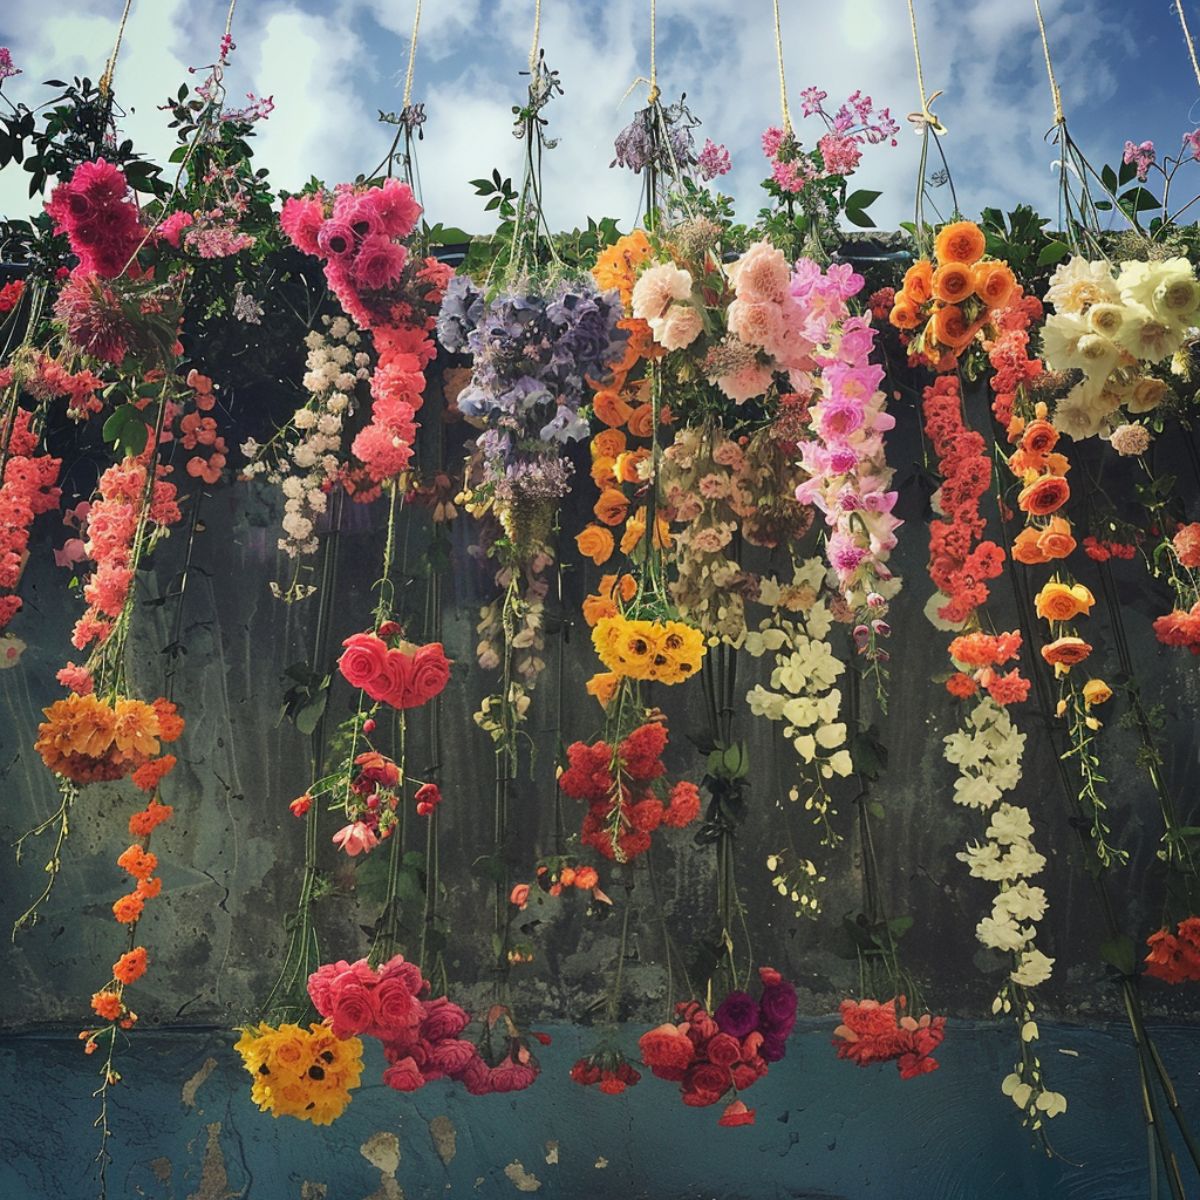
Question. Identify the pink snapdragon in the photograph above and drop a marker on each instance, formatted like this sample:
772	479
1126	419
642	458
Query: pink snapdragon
1142	157
713	160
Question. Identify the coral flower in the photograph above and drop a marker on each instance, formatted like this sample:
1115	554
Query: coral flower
960	242
1065	652
1044	496
355	838
736	1113
130	967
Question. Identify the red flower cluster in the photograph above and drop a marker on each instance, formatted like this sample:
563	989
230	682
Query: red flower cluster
421	1037
112	525
404	676
709	1056
977	656
10	295
1175	957
48	379
1186	543
96	211
871	1032
27	489
1180	628
957	566
607	1070
1009	353
1102	551
626	799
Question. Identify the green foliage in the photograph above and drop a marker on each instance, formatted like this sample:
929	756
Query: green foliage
305	700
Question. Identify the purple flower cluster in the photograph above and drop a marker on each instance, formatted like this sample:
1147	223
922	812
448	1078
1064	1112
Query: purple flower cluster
773	1014
671	149
533	356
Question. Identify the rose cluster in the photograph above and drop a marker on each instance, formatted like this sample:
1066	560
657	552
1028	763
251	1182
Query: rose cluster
422	1037
400	674
626	795
96	211
710	1056
872	1032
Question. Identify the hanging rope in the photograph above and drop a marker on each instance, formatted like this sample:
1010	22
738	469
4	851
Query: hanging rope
229	17
412	57
783	99
105	85
537	34
1187	37
654	92
925	118
1055	94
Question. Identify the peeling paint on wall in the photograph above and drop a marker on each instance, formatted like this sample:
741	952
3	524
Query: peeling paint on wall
382	1151
313	1191
194	1084
214	1177
522	1180
552	1153
445	1138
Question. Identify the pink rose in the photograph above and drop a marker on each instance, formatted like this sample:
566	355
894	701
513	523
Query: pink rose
452	1056
352	1011
509	1076
395	1008
408	973
477	1077
404	1076
363	662
396	679
443	1019
430	674
320	988
723	1050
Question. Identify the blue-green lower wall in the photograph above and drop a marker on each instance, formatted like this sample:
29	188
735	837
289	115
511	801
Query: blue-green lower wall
185	1129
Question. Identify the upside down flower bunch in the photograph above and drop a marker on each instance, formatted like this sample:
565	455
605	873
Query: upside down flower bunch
86	739
874	1032
1112	328
717	1056
948	303
661	651
976	658
303	1073
96	210
626	793
27	489
421	1036
392	671
1175	957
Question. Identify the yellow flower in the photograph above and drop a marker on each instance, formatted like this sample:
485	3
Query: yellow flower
1063	602
1096	691
603	685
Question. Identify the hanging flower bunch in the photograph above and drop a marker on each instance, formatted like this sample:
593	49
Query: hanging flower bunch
421	1036
660	139
977	657
303	1073
838	151
960	559
874	1032
1112	329
393	671
946	305
607	1070
1175	957
96	210
627	795
27	489
717	1057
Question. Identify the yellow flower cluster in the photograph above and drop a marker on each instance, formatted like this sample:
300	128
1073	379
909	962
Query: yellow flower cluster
302	1073
663	651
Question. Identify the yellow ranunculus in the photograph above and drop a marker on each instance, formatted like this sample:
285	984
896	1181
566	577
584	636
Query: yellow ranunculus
1096	691
1063	602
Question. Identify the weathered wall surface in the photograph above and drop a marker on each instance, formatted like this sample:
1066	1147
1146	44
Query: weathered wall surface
232	856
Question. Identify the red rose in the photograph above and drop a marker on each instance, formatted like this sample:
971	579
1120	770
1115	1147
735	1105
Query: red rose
700	1099
430	674
362	662
708	1077
665	1048
396	679
443	1019
352	1011
743	1076
452	1055
404	1076
723	1050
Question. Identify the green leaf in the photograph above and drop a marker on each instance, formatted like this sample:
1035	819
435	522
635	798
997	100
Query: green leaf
863	198
1109	178
1053	252
310	714
1118	953
857	217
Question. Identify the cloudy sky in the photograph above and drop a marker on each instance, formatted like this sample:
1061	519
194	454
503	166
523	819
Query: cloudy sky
332	64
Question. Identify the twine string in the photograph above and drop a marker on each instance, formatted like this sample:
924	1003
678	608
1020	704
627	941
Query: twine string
652	98
1055	94
1187	37
537	35
110	67
925	118
783	96
412	57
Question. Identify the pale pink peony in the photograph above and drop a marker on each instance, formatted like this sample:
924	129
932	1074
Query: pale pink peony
762	273
752	380
355	838
657	287
679	327
757	323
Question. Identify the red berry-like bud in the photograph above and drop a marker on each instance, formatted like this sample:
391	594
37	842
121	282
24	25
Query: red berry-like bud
369	725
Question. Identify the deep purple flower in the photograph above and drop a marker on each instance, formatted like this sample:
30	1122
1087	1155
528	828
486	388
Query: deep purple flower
778	1007
738	1014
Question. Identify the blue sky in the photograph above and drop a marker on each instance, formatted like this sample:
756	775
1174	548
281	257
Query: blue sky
332	65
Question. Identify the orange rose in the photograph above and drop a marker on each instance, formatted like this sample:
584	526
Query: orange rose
626	466
608	443
641	421
603	475
1026	548
905	313
949	327
611	508
953	283
1039	437
1057	464
918	282
961	242
610	407
1056	541
596	543
1044	496
994	283
1063	653
603	686
1063	602
596	608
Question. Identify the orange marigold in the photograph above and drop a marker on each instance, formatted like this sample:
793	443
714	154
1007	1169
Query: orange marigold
170	723
141	864
150	774
128	908
107	1005
136	728
143	823
149	888
130	967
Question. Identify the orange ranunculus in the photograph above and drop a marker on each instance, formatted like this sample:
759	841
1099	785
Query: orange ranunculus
1039	437
595	542
624	586
128	909
595	608
1063	602
949	326
961	685
608	443
1056	540
603	685
107	1005
1015	428
961	241
1026	548
611	508
905	314
626	466
603	475
953	283
994	283
130	967
641	338
1044	495
1063	653
641	421
610	407
616	265
1057	464
918	282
